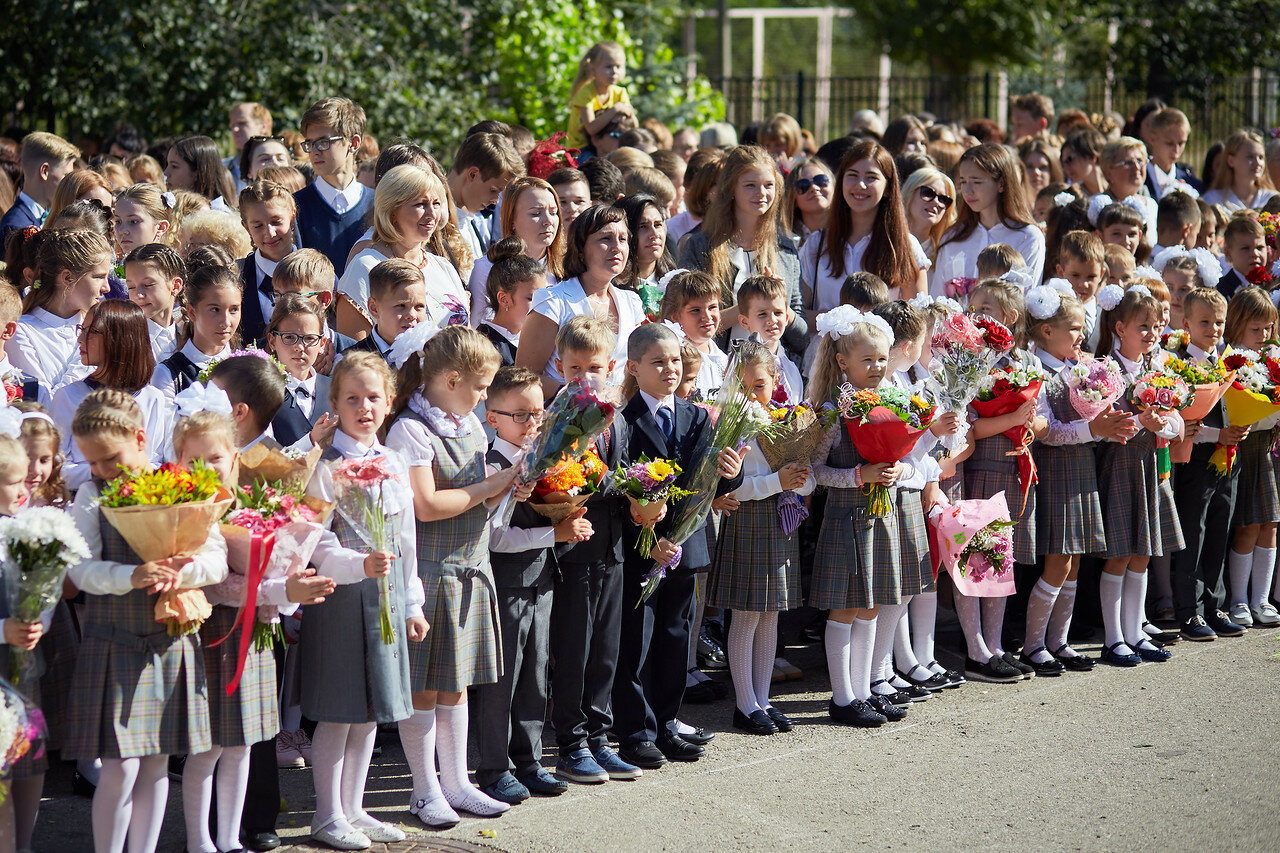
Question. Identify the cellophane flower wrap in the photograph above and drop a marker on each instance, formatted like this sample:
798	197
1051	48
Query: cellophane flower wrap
1003	392
579	414
884	425
1254	394
271	532
372	496
1093	385
739	418
168	512
1209	380
973	540
964	351
40	544
22	729
649	484
561	493
797	432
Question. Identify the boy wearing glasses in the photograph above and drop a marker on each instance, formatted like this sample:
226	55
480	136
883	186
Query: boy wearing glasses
507	717
309	273
397	303
332	211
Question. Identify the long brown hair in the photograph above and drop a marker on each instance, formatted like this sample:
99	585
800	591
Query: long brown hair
1000	166
507	220
721	222
127	362
888	254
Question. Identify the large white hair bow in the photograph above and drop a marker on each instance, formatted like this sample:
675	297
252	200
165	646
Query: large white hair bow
407	343
202	398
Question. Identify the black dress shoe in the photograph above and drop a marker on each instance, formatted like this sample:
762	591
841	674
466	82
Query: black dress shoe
781	720
644	754
698	737
881	705
701	693
1197	630
896	697
755	723
677	748
856	713
260	841
1052	666
933	683
1076	662
1222	625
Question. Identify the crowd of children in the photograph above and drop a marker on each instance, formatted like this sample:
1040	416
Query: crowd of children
317	292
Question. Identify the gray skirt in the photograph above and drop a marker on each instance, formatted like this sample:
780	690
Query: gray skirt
985	479
756	568
1128	486
463	647
1259	498
1068	508
913	544
857	564
252	713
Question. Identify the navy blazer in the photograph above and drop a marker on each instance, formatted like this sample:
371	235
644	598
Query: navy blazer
1230	282
253	326
689	437
605	511
15	219
506	350
290	424
1182	172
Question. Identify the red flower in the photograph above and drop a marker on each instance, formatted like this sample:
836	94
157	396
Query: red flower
365	472
1235	361
549	155
13	392
996	335
961	330
1273	371
1260	276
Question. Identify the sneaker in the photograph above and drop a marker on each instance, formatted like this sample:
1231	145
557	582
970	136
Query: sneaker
543	784
506	789
790	670
609	761
1223	626
1266	616
579	766
1196	630
303	743
287	754
994	671
1239	614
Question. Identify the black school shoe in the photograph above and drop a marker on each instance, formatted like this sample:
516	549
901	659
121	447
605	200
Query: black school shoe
677	748
934	683
1051	667
880	704
994	671
1076	662
1027	672
781	720
897	698
698	737
954	679
856	713
644	754
755	723
1197	630
1223	626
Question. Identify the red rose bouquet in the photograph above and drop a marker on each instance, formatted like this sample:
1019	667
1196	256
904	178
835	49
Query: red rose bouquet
1003	392
965	349
884	425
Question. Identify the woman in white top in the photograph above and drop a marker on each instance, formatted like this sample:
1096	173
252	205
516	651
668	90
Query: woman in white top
1240	179
409	204
867	231
114	341
1124	165
992	209
530	211
599	245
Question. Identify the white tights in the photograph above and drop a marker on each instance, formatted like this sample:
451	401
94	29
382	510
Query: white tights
753	640
130	800
340	756
231	764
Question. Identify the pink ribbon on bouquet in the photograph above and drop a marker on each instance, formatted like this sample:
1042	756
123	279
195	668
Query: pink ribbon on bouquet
260	548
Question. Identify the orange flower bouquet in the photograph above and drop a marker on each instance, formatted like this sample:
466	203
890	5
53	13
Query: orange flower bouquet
561	493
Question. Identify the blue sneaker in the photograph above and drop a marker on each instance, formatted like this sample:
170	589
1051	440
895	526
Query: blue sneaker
579	766
543	784
507	790
615	766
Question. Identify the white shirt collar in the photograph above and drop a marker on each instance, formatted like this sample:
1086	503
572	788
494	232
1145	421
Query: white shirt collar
441	421
341	200
1050	362
382	345
1130	367
36	210
654	404
351	448
511	337
53	320
199	359
156	330
1199	354
510	451
309	383
264	265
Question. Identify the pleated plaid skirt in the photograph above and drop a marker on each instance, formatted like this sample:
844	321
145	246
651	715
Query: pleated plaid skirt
1129	489
953	487
755	568
1068	507
252	713
856	563
913	544
986	473
1258	500
463	647
1171	539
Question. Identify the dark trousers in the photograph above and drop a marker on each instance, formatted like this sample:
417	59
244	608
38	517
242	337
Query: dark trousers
649	687
507	717
586	610
1205	504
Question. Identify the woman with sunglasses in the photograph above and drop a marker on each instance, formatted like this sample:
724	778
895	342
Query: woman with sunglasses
866	232
806	198
929	196
261	152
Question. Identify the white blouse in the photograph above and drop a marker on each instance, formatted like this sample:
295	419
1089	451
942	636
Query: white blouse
157	415
46	347
567	300
1227	198
409	437
163	377
164	340
445	293
959	258
816	268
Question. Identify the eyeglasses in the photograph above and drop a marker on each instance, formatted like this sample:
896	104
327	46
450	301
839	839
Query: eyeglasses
930	194
521	417
321	144
804	184
291	339
1132	163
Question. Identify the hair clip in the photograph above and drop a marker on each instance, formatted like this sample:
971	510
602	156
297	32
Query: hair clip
35	285
1110	296
38	416
666	279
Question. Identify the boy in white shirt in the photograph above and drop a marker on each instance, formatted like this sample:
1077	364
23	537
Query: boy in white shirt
484	165
762	310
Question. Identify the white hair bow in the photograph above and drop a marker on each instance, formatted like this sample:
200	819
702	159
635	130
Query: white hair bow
676	328
10	422
1141	289
843	319
1210	268
666	279
1096	204
1061	285
1145	271
920	301
197	398
1110	296
1160	261
1145	207
170	200
1020	276
1063	199
411	341
1043	301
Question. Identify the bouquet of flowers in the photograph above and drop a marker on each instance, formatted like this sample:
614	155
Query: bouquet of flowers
22	727
883	425
1261	276
959	288
965	350
973	539
740	419
579	413
163	513
207	370
1093	385
562	492
797	431
40	544
1176	341
268	462
649	484
1002	392
550	154
1160	391
1270	223
372	495
1254	394
1209	380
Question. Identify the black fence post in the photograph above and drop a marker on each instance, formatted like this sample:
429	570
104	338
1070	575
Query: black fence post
986	94
800	99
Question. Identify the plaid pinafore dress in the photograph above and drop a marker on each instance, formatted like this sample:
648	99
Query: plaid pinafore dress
137	691
252	713
462	648
349	675
1068	508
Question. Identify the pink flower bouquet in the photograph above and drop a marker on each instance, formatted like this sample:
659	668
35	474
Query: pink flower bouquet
964	350
1093	385
973	540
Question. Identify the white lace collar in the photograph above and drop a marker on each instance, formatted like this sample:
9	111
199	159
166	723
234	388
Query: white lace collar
441	421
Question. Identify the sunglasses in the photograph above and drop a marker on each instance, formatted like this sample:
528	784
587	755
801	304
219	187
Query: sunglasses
804	184
930	194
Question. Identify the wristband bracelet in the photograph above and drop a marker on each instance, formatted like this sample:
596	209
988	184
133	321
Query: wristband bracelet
857	476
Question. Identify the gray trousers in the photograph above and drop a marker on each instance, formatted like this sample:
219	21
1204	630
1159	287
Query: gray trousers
507	716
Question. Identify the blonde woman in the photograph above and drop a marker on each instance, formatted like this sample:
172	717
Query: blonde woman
930	199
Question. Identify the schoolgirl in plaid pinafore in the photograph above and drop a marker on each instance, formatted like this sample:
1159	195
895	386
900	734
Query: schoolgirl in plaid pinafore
252	713
990	470
1260	497
137	691
1068	507
1128	485
756	568
349	675
462	648
856	561
913	532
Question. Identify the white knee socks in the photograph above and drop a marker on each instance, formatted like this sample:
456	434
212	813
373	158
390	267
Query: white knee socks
1134	593
904	656
1264	565
836	640
969	611
742	637
924	620
150	796
451	749
418	737
328	749
232	780
861	653
1239	567
762	657
197	796
886	630
993	623
113	803
355	771
1039	609
1110	588
1060	621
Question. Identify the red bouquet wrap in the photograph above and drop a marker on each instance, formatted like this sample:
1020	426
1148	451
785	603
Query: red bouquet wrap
884	426
1007	399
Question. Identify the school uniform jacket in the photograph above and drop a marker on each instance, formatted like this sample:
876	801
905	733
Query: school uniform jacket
290	422
253	326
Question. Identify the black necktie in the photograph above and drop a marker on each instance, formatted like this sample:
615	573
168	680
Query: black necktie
301	391
267	289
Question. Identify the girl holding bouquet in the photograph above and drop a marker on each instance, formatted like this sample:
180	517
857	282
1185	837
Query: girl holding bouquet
1128	482
352	677
856	569
443	377
139	694
993	468
1069	519
756	572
